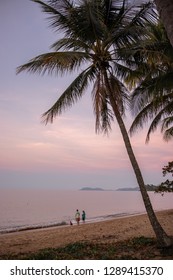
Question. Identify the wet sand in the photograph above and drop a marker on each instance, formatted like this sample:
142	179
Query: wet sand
29	241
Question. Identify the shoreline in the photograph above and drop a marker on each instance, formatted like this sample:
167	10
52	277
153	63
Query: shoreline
119	229
66	224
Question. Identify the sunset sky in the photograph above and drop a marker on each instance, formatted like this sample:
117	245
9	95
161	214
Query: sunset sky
66	154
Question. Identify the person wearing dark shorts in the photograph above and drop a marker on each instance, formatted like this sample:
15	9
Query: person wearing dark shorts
83	216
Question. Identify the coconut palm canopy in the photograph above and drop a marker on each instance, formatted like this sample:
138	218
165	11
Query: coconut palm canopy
93	32
152	100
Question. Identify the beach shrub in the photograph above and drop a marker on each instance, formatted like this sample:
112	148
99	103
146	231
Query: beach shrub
132	249
142	240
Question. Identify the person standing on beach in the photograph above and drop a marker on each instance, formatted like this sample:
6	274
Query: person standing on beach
77	216
83	216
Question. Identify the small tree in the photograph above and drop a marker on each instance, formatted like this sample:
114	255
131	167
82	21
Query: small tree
166	186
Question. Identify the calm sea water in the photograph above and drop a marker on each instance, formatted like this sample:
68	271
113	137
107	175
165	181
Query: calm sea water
22	208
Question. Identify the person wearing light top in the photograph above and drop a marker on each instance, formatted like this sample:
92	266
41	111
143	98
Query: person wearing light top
77	216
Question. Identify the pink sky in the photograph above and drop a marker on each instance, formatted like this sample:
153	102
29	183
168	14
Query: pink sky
67	153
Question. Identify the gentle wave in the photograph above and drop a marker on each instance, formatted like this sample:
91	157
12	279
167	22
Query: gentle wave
22	209
65	223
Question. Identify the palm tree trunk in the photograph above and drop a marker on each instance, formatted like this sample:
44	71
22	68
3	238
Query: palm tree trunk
162	238
165	9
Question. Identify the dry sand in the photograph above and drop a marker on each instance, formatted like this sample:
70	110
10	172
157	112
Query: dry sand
107	231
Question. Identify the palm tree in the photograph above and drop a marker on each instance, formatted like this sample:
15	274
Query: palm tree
93	32
153	97
165	9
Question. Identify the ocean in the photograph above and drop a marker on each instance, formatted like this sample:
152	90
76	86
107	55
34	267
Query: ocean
31	208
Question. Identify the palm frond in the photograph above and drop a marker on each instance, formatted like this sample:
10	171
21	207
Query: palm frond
168	134
88	23
154	124
155	110
167	125
54	62
151	89
134	20
59	13
167	122
146	14
119	92
102	110
114	12
126	74
71	95
141	118
70	44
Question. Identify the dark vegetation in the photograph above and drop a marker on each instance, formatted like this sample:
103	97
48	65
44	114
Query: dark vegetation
139	248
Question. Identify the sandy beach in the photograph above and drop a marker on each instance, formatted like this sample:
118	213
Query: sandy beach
29	241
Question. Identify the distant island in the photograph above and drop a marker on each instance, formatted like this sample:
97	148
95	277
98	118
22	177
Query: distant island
91	189
128	189
149	187
101	189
